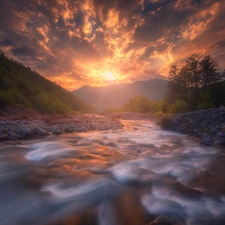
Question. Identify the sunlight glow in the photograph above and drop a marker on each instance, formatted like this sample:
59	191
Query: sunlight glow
110	76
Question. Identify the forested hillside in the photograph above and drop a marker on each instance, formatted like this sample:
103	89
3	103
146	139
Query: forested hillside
19	85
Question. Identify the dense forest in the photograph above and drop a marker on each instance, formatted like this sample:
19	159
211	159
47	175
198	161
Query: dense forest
19	85
198	84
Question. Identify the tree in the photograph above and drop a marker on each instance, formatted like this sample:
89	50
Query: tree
209	72
194	77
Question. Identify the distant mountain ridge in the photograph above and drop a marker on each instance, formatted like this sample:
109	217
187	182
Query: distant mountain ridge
19	85
115	95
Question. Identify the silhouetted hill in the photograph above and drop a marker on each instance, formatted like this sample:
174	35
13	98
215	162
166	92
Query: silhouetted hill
116	95
19	85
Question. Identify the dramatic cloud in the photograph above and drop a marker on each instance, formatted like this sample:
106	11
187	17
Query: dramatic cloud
95	42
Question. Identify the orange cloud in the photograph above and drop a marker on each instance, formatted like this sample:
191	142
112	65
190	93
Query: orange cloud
93	41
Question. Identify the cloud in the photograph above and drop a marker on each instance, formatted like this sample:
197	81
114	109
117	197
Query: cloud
23	51
76	42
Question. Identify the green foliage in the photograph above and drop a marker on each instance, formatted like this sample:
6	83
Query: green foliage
163	119
6	98
138	104
205	101
21	85
179	106
198	75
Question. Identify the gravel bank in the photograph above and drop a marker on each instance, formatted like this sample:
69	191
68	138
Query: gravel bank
25	124
209	125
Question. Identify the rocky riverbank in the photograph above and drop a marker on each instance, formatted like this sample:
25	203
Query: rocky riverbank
209	125
17	124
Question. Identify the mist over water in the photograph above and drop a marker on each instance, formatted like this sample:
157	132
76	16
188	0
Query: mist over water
129	176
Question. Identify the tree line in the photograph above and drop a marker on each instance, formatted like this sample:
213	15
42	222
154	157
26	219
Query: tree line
198	84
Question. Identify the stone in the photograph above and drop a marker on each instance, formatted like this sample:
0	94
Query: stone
161	220
81	129
24	132
57	131
12	136
39	131
214	130
223	128
3	137
206	141
218	142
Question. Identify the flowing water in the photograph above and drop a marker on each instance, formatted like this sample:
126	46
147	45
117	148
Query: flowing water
129	176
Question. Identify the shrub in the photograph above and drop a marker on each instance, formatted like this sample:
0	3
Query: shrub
163	119
205	101
179	106
6	98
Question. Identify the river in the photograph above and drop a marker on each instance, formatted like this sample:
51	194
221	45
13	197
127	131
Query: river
123	177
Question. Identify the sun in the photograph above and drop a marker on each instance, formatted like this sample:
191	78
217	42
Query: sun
110	76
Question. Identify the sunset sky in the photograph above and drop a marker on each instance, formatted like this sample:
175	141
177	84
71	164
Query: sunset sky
97	42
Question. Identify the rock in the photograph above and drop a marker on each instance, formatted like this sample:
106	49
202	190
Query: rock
3	137
223	128
12	136
214	130
14	143
161	220
57	131
221	137
81	129
206	141
218	142
24	132
39	131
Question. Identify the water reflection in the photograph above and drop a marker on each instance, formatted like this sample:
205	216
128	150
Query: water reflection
129	176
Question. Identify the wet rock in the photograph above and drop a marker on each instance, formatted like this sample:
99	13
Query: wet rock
81	129
206	142
3	137
57	131
223	128
221	137
161	220
14	142
217	142
12	136
214	130
24	132
39	131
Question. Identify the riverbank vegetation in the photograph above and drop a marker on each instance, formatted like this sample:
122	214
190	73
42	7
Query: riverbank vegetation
19	85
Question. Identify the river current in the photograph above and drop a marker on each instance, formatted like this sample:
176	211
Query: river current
123	177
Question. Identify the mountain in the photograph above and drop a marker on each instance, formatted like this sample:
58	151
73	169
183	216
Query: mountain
116	95
19	85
